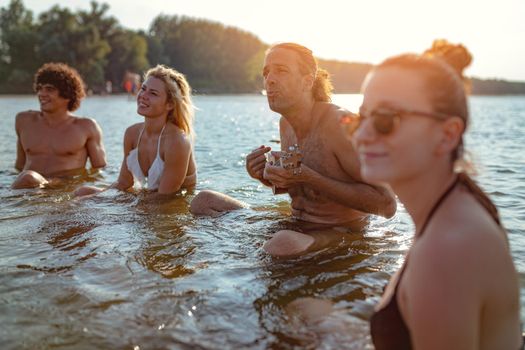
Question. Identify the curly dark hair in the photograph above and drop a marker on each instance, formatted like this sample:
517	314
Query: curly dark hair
66	79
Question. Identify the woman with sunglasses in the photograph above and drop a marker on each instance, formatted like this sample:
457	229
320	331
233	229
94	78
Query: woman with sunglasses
458	288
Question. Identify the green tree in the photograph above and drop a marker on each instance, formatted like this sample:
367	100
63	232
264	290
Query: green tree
98	17
18	40
69	38
128	53
346	77
215	58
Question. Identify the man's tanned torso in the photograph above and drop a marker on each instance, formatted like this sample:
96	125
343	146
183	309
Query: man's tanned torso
55	149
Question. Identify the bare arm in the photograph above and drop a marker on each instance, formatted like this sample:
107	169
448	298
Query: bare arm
361	195
20	153
95	147
125	178
20	156
176	161
355	194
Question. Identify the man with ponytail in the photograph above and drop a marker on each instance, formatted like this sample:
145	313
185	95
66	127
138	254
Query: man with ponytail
325	187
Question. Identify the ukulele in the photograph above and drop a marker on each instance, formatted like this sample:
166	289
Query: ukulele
287	160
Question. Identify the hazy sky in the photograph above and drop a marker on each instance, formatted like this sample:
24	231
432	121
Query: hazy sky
351	30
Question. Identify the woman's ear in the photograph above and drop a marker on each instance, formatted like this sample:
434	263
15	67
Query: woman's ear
452	130
170	105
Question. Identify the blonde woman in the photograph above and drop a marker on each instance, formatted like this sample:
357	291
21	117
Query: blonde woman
158	153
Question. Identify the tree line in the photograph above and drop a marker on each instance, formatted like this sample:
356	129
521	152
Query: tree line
215	58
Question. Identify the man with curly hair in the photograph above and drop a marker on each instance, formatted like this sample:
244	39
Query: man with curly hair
54	143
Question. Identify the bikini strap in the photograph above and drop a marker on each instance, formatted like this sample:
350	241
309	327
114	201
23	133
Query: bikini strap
158	142
429	216
140	136
437	204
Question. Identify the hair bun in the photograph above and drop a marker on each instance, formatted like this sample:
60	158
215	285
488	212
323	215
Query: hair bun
457	56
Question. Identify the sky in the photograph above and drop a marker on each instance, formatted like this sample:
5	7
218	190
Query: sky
350	30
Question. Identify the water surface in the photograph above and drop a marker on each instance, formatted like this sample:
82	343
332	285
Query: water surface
121	271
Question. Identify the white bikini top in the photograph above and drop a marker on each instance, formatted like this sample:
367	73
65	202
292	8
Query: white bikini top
152	181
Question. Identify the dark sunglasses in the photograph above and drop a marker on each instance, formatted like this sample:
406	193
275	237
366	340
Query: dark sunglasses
384	119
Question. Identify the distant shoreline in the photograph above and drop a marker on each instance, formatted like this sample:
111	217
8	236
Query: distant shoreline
347	78
259	94
216	59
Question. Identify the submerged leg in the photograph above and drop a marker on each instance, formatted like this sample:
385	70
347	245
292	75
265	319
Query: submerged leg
29	179
290	243
86	191
309	310
287	243
211	203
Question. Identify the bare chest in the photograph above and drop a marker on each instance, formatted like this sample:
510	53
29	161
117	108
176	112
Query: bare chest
40	139
316	153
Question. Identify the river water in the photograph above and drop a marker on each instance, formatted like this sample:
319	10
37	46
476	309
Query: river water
120	271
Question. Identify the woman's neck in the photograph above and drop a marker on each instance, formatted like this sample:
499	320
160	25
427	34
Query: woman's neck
153	126
420	193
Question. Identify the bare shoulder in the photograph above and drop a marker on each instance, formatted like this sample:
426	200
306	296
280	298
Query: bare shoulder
86	123
463	238
333	109
176	144
330	124
464	261
131	135
175	137
134	130
26	116
330	110
330	115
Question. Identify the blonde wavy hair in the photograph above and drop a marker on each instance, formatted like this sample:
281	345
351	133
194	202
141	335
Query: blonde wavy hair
179	93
